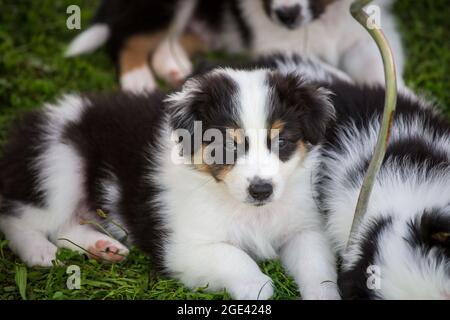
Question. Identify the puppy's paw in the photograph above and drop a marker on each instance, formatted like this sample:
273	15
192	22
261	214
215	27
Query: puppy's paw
139	80
109	250
326	291
40	255
260	288
171	63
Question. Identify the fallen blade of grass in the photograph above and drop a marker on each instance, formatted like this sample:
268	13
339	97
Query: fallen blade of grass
21	281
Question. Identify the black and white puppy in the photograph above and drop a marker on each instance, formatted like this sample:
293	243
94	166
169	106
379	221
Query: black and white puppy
171	30
401	248
147	164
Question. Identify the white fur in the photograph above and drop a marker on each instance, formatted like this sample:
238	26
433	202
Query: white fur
111	193
421	279
88	41
412	194
311	69
216	234
170	62
138	80
34	233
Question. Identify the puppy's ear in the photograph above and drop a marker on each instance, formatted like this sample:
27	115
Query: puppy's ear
183	105
309	103
203	101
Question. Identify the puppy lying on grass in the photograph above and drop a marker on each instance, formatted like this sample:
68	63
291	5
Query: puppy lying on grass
207	182
401	248
236	167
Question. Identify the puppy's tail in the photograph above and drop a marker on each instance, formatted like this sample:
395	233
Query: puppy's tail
89	40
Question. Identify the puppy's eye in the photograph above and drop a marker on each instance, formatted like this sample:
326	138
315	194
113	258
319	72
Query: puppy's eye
283	143
230	146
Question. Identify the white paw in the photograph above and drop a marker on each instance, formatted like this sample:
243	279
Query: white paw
252	289
108	249
40	255
171	63
326	291
139	80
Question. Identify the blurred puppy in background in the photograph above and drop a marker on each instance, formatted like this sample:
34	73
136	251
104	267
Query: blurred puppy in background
168	32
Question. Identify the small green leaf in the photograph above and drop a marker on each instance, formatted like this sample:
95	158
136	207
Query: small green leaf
21	281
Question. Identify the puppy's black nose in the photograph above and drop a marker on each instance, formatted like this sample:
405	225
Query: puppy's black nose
289	16
260	190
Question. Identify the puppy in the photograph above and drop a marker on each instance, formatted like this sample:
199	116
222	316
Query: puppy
172	30
401	247
207	183
326	29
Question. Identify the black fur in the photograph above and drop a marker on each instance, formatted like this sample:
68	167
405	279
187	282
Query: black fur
353	283
318	7
431	231
267	5
128	18
19	180
300	106
359	105
244	29
119	135
212	106
210	103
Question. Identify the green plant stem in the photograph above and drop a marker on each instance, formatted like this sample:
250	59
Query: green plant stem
388	113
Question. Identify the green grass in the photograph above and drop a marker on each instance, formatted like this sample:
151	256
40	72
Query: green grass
33	36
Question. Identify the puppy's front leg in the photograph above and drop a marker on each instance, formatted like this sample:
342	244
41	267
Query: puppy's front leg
171	62
135	74
309	259
219	266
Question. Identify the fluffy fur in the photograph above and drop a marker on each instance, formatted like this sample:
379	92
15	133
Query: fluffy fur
205	224
322	28
401	248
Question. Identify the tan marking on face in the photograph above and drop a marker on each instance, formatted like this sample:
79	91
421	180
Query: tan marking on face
303	150
442	237
221	173
218	171
276	128
237	135
136	51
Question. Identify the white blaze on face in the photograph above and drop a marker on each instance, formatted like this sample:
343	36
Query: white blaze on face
259	163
